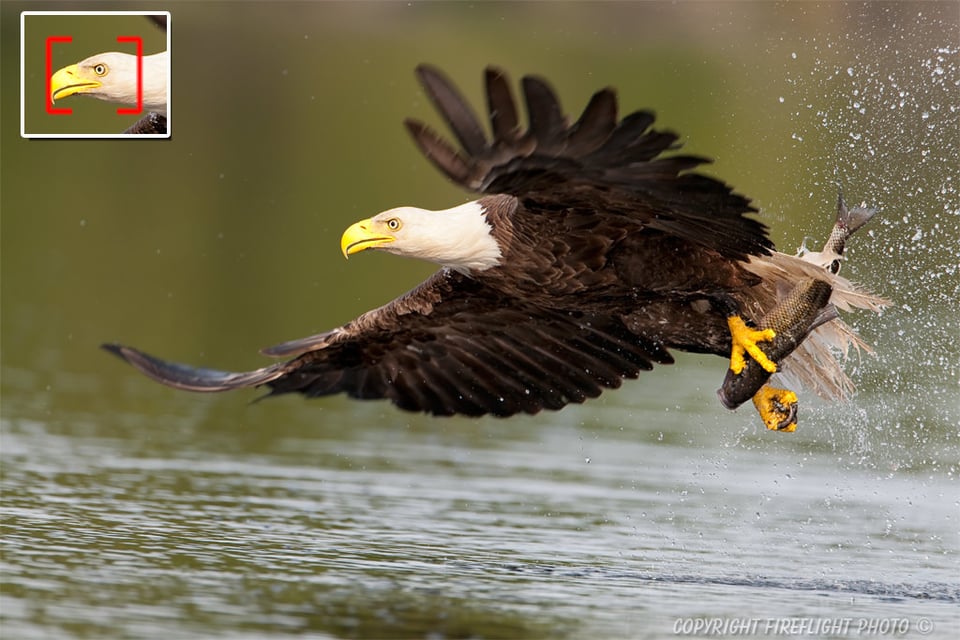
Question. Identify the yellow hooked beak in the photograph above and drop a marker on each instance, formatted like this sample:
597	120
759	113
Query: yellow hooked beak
363	235
71	80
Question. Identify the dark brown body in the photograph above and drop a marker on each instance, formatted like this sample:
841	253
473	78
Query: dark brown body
666	289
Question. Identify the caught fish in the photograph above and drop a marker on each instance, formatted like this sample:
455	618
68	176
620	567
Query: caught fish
848	221
804	309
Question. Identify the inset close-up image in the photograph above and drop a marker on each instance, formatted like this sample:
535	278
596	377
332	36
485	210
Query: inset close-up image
120	58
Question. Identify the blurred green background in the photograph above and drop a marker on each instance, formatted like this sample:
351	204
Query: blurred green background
287	128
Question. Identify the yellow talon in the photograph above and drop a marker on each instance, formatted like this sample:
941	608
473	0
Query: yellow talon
745	339
777	408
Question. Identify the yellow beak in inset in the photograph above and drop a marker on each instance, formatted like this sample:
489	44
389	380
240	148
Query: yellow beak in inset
363	235
71	80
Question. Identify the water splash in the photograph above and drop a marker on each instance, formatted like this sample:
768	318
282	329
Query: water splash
878	106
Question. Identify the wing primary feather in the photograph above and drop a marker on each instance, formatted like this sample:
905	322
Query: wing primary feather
454	108
595	125
444	157
503	109
181	376
547	123
159	20
626	133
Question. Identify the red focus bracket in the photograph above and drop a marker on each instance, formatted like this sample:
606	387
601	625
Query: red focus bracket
139	108
55	111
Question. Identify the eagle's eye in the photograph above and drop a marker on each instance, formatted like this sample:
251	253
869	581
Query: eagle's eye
393	224
100	69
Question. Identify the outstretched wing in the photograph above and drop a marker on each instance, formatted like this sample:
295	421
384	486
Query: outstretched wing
150	123
614	166
450	346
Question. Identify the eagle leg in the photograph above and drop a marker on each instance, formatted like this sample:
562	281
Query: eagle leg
777	408
745	341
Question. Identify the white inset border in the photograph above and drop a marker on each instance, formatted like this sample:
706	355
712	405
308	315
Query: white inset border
23	129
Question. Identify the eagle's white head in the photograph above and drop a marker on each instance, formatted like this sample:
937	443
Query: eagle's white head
112	76
460	238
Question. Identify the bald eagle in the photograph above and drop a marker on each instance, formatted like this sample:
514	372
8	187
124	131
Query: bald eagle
112	77
590	253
